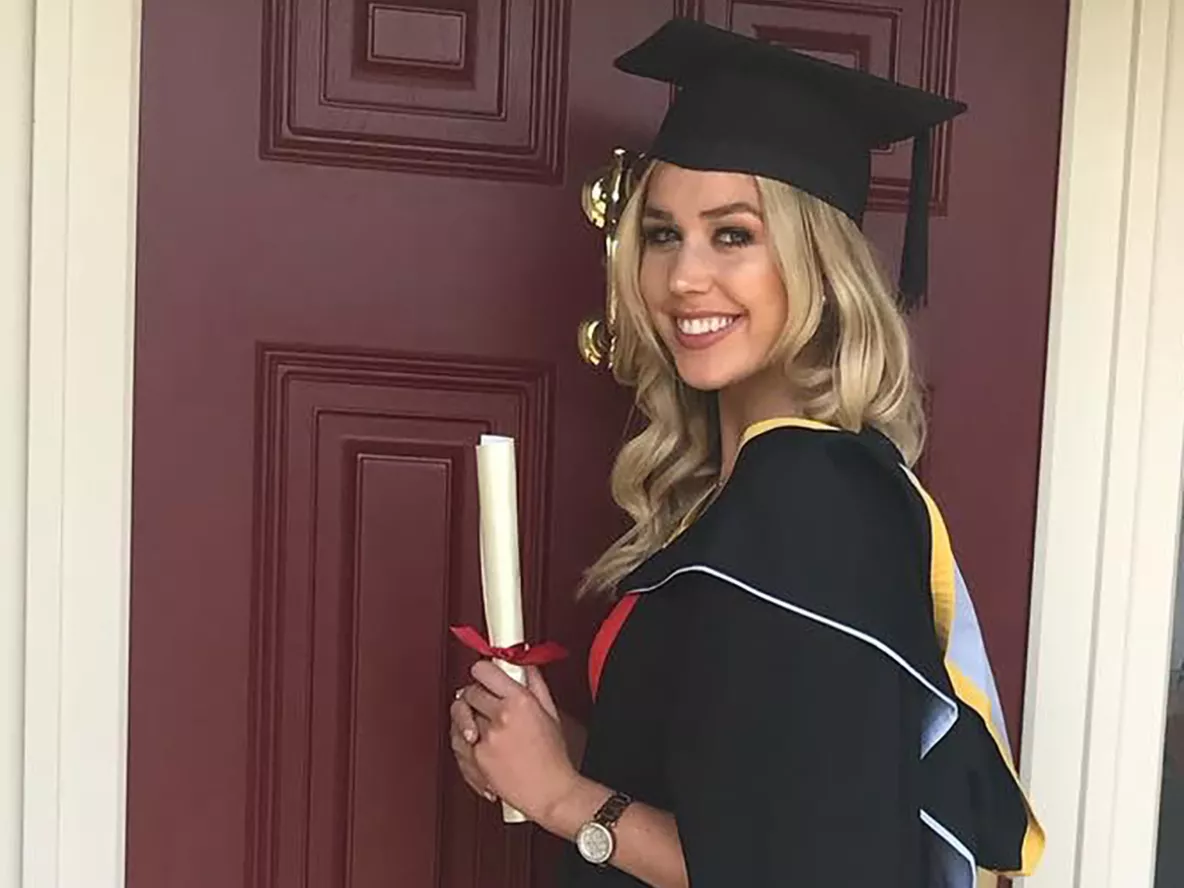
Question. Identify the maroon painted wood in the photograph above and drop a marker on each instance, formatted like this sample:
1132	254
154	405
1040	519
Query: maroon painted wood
360	247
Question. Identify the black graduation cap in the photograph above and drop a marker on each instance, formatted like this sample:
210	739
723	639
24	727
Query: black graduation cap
746	105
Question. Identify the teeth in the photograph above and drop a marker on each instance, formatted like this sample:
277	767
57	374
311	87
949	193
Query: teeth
700	326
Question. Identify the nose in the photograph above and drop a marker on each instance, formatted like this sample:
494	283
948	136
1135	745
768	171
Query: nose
690	274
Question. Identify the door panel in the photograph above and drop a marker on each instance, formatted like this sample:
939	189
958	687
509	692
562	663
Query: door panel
368	495
360	247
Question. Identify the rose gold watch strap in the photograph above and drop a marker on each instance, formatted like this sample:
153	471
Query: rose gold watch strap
610	812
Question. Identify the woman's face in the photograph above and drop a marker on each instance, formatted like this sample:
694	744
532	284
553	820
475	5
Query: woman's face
708	276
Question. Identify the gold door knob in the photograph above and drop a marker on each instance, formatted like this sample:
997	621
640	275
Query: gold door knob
603	199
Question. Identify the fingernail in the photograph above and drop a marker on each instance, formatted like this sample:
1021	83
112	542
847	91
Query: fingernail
470	735
490	796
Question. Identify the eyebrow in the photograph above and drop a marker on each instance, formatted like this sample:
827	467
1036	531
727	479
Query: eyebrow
740	206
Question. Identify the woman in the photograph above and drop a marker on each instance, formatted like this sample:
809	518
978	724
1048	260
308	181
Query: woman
791	688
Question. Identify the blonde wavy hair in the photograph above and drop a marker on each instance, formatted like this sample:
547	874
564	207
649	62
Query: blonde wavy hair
845	351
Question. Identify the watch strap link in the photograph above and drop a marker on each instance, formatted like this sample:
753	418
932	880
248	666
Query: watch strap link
610	812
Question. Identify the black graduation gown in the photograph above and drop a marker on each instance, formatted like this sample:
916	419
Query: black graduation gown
774	677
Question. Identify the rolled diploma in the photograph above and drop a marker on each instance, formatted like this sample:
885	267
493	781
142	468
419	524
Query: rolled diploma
501	582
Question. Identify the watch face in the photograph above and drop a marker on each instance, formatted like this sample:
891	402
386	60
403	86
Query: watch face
595	843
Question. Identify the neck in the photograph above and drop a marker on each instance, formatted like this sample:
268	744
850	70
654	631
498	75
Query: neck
762	396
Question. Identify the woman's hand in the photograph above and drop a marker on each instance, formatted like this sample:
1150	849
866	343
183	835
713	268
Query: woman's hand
521	751
521	755
463	734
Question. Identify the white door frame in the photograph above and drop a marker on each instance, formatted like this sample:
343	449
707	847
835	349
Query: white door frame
1110	486
16	100
80	298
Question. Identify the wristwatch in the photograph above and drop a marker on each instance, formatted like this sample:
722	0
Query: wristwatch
595	839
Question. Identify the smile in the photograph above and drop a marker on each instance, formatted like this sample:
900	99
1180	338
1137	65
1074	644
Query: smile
704	330
702	326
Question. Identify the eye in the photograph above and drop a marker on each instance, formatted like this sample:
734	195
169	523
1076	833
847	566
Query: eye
659	235
734	236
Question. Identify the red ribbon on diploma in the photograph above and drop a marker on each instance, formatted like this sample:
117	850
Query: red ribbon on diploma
521	654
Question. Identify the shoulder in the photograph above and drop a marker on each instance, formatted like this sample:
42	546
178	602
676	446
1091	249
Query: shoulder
819	532
820	526
842	490
793	447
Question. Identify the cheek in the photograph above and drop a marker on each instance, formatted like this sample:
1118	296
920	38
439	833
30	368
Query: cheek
764	298
653	277
777	304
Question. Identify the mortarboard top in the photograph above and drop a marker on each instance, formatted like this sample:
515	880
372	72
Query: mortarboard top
745	105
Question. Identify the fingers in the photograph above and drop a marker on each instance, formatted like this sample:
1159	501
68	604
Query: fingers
538	686
462	735
469	769
493	679
464	721
495	690
482	702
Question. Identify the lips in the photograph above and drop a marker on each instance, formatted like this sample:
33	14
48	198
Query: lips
700	326
702	331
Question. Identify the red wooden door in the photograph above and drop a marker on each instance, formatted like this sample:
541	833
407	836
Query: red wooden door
361	246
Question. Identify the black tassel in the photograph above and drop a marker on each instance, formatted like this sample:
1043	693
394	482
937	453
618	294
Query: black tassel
914	261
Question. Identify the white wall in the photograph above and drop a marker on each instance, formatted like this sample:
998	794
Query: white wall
16	95
81	262
1110	499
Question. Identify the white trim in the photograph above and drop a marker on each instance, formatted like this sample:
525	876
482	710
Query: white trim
928	741
1134	672
85	106
16	98
933	732
952	840
931	737
1114	427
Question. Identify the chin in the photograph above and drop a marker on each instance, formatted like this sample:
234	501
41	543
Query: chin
703	378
